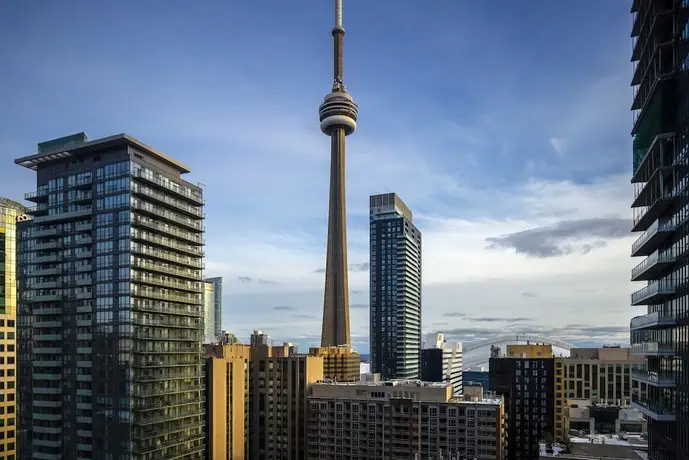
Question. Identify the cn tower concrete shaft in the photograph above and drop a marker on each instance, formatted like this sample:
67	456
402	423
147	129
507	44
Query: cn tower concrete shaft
338	114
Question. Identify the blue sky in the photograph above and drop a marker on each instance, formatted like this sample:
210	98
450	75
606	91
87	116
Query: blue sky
503	125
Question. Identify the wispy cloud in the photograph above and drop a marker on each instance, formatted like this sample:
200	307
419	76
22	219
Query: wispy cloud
284	308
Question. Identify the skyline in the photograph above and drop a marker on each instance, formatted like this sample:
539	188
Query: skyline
532	215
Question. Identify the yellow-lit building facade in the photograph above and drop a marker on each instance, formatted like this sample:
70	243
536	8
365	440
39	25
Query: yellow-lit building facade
10	213
340	364
228	398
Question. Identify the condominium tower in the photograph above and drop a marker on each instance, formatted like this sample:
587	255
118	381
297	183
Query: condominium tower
217	306
11	212
337	114
110	308
395	289
212	310
660	176
442	362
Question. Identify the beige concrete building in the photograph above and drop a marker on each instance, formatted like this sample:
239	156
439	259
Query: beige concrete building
228	396
401	420
340	364
257	400
10	213
602	375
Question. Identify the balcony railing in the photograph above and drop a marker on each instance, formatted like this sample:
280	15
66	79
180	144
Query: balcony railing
658	231
168	230
38	195
169	283
160	268
195	211
652	265
155	294
657	379
68	215
178	189
168	256
654	409
654	319
168	215
167	242
653	349
653	292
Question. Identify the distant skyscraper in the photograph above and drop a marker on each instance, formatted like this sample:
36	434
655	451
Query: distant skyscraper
395	289
442	362
209	312
660	32
217	306
10	213
338	114
110	315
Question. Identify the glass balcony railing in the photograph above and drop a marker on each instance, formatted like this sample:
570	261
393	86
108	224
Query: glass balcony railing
654	319
657	379
167	242
167	215
39	195
149	193
168	256
167	229
652	263
157	294
654	292
653	409
169	185
168	283
653	349
168	269
171	309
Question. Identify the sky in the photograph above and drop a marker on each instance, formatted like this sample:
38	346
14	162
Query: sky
503	125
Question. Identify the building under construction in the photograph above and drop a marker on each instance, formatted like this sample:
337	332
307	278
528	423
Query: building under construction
661	211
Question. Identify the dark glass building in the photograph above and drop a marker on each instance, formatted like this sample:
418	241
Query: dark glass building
395	289
528	386
110	309
661	210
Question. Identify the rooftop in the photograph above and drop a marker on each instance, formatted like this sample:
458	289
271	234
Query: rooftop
7	203
69	146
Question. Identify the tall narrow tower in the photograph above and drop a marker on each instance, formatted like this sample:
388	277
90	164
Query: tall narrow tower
338	114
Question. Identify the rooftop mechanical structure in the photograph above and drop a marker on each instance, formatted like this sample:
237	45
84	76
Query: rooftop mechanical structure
338	114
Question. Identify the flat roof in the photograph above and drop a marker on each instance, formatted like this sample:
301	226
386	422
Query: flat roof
59	153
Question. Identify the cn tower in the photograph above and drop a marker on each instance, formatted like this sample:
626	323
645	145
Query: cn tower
338	114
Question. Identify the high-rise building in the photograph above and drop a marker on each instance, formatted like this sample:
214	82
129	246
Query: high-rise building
442	362
659	173
525	377
217	306
279	382
258	338
11	212
228	401
209	313
110	304
340	364
337	114
402	420
395	289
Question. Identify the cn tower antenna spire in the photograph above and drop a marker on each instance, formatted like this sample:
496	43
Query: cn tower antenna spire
338	114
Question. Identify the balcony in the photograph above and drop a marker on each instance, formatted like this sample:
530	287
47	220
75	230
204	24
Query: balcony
81	197
39	209
167	256
50	231
38	196
167	243
655	410
647	194
654	154
656	379
168	185
46	245
653	349
167	269
170	216
177	205
654	292
45	259
171	283
653	266
653	320
68	215
651	213
194	238
83	227
653	237
193	299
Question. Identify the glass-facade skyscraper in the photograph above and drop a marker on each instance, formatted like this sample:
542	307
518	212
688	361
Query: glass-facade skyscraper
213	318
110	325
660	105
11	213
395	289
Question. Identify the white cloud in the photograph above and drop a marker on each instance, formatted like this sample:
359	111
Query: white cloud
559	144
